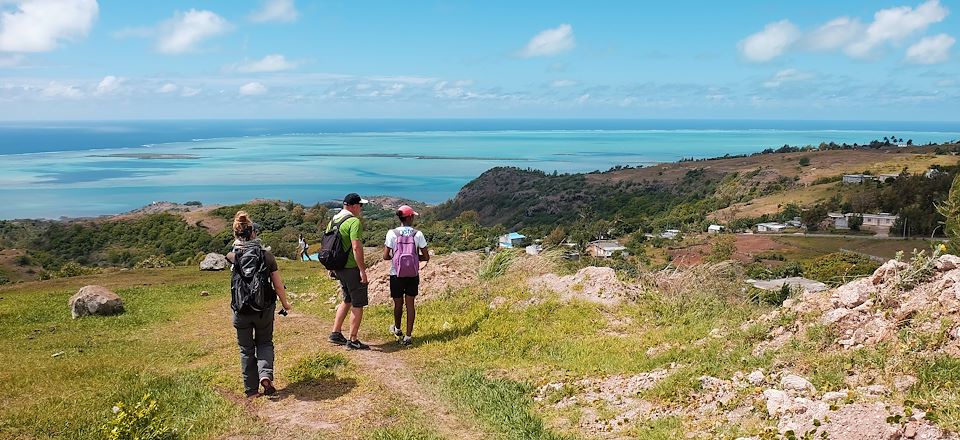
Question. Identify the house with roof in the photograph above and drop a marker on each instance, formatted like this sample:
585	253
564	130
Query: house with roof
511	240
714	229
771	227
670	234
605	248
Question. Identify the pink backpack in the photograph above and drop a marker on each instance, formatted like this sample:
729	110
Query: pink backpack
406	260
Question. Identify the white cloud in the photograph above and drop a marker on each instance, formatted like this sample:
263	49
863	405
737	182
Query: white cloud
11	61
896	24
834	34
931	50
550	42
42	25
252	89
108	85
855	39
771	42
59	90
190	91
275	10
168	88
561	83
185	31
785	76
583	98
269	63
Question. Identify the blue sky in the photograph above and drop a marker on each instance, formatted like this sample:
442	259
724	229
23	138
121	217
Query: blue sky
112	59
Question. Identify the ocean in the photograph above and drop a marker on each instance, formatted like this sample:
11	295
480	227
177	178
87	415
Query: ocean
77	169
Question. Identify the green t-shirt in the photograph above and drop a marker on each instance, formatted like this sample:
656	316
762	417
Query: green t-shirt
351	229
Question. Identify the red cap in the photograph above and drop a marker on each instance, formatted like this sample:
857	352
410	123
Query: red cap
406	211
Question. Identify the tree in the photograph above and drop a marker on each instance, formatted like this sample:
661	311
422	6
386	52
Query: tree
950	208
854	222
804	161
723	248
813	216
556	237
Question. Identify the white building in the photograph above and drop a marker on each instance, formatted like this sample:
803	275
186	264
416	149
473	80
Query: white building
511	240
670	234
605	248
714	229
771	227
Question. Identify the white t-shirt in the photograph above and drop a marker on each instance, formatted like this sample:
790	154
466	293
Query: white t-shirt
405	231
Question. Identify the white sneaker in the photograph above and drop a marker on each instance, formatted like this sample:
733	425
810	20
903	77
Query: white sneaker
395	331
407	340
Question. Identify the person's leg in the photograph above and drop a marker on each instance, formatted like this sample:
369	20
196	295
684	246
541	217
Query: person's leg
263	337
396	293
248	353
411	313
344	306
355	322
342	310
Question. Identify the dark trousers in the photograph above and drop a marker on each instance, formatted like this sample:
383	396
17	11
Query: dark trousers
255	338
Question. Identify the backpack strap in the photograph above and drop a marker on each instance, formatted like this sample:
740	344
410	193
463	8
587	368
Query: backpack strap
332	225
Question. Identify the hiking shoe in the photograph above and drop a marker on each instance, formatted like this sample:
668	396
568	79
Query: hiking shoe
337	338
407	340
357	345
395	331
252	394
268	388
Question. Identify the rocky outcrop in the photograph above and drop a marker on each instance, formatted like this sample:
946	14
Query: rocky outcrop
95	300
214	261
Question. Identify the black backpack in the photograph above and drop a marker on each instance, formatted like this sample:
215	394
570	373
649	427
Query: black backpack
332	254
250	283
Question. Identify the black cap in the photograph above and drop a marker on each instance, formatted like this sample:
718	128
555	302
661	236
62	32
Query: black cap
353	199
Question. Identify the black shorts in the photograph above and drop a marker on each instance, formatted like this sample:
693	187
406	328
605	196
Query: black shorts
408	286
354	292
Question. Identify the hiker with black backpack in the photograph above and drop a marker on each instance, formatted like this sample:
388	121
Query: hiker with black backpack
405	248
255	285
341	252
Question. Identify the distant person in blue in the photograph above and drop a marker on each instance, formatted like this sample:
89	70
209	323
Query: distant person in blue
405	247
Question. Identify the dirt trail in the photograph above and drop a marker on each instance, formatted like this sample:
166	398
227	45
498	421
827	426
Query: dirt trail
350	407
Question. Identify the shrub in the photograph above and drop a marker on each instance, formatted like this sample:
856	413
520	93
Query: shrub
23	260
4	280
774	297
142	421
72	269
154	262
804	161
723	248
193	203
839	267
498	264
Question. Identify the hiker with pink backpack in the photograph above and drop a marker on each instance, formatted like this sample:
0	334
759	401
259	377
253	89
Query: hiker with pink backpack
405	248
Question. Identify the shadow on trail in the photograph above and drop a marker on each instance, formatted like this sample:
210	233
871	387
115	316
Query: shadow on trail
315	390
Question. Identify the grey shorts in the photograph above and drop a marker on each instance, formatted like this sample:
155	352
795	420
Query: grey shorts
354	292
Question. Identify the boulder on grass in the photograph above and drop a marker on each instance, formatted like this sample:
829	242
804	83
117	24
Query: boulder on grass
214	261
95	300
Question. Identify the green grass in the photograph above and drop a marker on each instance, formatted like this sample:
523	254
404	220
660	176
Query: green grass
170	342
502	404
807	247
316	368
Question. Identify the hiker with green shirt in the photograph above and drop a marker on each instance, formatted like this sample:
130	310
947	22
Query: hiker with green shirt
353	276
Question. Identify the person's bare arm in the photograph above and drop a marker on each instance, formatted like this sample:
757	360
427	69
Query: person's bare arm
386	253
424	254
281	291
358	255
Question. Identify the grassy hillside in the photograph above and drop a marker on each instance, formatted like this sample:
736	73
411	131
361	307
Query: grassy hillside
495	359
